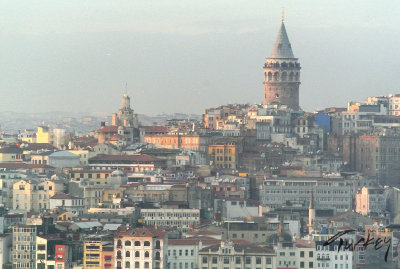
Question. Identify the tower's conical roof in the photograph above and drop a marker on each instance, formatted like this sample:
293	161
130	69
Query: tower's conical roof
282	47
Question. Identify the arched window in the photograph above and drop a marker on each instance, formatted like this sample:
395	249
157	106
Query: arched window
284	64
119	243
146	243
284	76
127	265
127	254
118	265
158	244
146	265
119	256
137	254
291	76
146	254
158	257
128	243
137	243
277	65
269	76
276	76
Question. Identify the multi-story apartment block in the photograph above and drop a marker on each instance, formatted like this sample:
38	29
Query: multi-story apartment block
45	250
183	253
34	195
24	246
140	248
328	192
67	202
370	201
7	180
230	255
181	219
63	257
98	251
224	153
329	256
135	163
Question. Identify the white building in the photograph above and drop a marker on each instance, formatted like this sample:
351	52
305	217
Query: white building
68	202
183	253
330	258
181	219
230	255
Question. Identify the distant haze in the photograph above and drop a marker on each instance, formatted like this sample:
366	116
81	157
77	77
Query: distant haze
185	56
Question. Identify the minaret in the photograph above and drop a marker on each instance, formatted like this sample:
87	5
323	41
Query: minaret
282	73
311	214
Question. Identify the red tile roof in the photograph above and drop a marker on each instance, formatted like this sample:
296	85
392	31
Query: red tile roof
108	129
24	166
132	158
141	232
155	129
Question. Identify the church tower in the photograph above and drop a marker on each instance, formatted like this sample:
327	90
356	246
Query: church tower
282	73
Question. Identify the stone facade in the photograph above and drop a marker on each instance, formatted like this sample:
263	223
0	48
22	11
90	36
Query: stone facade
282	74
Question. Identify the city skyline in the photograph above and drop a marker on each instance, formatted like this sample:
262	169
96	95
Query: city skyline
190	60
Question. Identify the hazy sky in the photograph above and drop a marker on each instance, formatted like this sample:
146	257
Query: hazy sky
185	56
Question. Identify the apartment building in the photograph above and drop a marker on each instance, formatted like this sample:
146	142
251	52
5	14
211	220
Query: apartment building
140	248
329	193
98	251
183	253
230	255
33	195
370	201
67	202
7	180
24	246
182	219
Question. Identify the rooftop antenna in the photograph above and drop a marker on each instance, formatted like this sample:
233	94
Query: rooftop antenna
283	15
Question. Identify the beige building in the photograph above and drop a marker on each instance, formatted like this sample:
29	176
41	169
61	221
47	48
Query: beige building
370	200
182	219
33	195
24	246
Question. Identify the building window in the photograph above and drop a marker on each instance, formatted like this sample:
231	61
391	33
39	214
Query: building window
146	254
214	260
302	254
127	265
127	254
127	243
204	259
238	260
258	260
137	243
248	260
137	254
226	260
268	260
